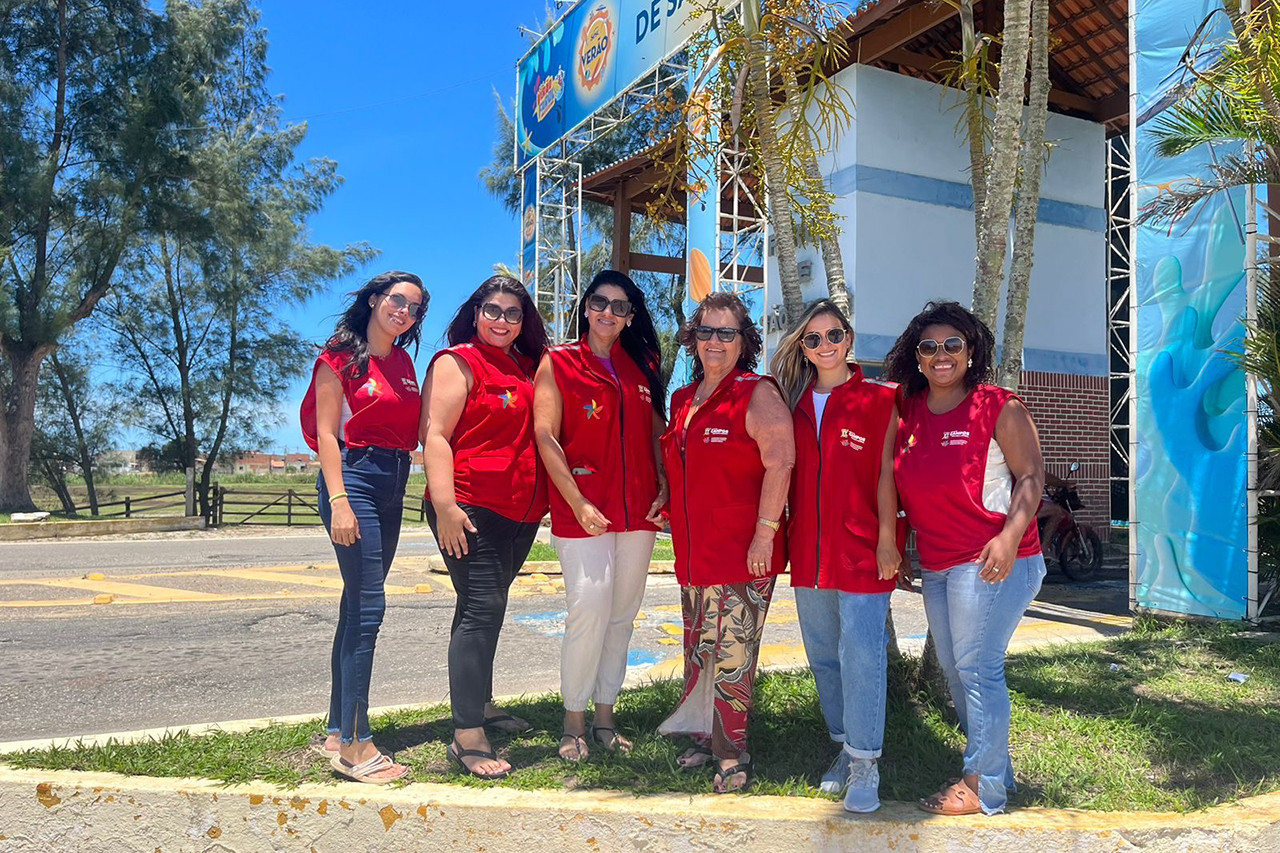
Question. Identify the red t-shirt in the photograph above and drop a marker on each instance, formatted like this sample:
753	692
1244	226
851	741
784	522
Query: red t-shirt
380	409
940	467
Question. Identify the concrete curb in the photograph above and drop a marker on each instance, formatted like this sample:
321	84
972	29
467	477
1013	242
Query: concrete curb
108	813
22	531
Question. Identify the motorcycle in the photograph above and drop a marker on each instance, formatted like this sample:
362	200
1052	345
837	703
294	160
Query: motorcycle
1076	547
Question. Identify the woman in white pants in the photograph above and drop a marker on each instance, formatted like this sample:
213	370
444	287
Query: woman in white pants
599	407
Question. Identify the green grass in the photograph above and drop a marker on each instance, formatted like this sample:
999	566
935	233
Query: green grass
541	551
1166	732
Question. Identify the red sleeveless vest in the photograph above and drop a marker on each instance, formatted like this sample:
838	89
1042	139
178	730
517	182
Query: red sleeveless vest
606	430
833	523
715	474
495	459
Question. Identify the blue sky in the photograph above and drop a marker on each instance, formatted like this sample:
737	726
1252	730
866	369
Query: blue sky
400	94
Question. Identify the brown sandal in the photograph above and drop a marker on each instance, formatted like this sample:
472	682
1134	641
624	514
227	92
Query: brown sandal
956	798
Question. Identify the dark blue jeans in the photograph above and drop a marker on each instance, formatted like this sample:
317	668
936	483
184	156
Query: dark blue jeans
374	479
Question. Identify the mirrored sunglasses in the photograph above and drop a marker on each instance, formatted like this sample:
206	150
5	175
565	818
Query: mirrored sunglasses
813	340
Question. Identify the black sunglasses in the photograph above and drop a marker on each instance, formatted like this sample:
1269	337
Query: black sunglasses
928	347
399	303
619	307
494	311
725	333
813	340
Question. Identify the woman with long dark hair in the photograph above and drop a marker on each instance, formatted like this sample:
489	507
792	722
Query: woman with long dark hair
599	408
970	473
842	537
361	417
487	492
729	452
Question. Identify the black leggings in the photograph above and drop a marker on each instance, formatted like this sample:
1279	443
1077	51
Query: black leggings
481	580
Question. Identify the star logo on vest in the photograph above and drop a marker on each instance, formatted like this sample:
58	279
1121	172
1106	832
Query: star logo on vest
593	410
508	398
370	387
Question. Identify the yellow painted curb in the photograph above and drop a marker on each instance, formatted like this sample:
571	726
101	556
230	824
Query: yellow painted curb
60	810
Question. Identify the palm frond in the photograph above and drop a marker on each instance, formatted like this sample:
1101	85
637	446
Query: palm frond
1174	202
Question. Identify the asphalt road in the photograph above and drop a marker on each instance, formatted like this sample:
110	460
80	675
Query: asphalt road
195	633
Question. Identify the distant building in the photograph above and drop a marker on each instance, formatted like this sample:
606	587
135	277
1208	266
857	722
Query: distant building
256	462
119	462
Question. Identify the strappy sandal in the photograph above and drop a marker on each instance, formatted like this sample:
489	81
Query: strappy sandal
457	753
365	770
956	798
615	743
317	746
579	743
507	723
694	757
724	774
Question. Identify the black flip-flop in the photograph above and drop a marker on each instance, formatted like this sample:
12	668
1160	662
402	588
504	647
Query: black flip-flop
724	774
496	720
461	753
616	743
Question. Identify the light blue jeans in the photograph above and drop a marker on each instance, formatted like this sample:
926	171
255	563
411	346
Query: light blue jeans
845	641
972	622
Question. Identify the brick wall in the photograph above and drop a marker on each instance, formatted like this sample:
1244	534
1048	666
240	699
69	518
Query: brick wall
1072	414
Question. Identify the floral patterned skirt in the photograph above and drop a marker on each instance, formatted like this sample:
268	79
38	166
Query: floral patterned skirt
722	629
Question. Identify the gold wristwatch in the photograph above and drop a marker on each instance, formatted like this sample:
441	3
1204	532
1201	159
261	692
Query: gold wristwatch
772	525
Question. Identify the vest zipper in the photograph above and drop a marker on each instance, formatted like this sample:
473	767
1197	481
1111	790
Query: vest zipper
817	544
622	448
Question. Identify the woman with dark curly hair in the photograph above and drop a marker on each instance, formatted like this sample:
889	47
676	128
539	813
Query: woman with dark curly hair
488	492
361	417
599	406
728	452
970	473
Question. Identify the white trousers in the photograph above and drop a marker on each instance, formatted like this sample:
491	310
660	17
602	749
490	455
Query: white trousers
604	578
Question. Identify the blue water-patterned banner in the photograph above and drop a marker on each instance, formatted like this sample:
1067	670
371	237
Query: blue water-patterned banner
1189	471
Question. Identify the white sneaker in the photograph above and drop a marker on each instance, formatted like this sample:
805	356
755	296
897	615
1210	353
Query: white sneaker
836	779
864	786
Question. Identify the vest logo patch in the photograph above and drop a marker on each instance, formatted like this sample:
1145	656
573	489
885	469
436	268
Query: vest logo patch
370	387
715	435
849	438
955	438
645	393
593	410
410	383
508	398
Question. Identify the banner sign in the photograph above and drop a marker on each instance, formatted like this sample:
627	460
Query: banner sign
529	225
596	51
1189	469
702	201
